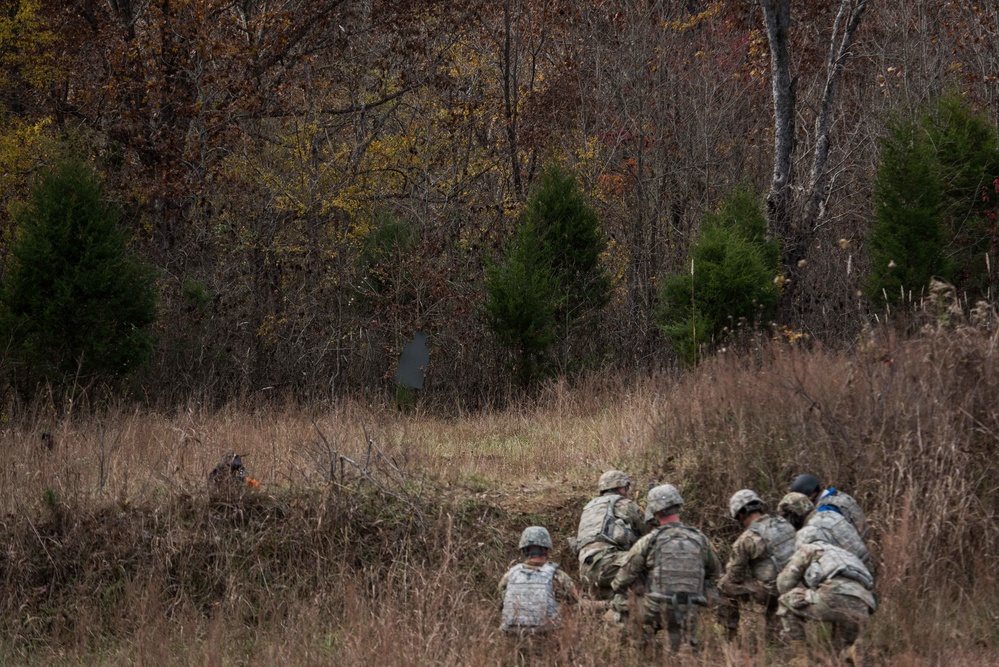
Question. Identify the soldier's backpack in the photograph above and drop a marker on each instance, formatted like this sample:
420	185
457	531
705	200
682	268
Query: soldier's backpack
837	530
529	601
778	534
847	506
837	562
678	574
598	524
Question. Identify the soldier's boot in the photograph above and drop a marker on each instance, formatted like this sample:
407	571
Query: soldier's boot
799	654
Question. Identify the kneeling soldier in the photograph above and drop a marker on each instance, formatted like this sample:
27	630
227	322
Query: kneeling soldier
825	583
678	564
609	525
758	556
533	591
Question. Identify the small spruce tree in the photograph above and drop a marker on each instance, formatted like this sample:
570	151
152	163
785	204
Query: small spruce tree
731	278
551	285
934	193
520	306
75	303
907	240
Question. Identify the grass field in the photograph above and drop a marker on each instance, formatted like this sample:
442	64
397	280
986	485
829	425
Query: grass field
377	537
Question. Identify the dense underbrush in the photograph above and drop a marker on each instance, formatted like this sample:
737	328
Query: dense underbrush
114	552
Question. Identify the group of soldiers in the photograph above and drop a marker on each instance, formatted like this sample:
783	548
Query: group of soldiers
808	562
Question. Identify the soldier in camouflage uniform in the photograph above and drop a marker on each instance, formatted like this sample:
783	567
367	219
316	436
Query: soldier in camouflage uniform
228	479
832	500
758	555
824	583
836	529
678	564
610	524
533	590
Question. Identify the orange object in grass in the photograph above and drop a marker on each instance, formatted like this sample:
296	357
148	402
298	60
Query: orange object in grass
252	482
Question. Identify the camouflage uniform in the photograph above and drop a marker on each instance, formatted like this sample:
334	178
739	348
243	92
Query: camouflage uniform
528	642
600	560
839	594
834	528
844	503
751	572
679	614
228	478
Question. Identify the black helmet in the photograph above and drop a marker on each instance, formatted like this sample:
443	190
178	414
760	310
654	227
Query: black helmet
806	484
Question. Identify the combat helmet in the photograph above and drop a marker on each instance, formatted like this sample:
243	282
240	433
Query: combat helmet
535	536
745	500
795	507
661	498
613	479
806	484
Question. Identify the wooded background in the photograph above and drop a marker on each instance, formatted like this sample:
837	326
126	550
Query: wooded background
316	180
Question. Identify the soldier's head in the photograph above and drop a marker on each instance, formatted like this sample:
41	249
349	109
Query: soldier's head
535	542
614	481
662	502
744	505
810	485
795	507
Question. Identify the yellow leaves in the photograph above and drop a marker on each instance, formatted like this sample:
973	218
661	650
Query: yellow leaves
690	22
25	45
22	147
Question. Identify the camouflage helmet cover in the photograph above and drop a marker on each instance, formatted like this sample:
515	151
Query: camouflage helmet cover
613	479
794	503
662	497
535	536
741	500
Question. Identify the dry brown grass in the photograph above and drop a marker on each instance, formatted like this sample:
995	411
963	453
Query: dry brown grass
113	552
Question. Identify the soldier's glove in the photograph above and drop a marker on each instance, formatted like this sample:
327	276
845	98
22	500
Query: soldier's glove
620	603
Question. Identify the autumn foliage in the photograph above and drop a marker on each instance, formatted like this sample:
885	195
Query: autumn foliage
262	152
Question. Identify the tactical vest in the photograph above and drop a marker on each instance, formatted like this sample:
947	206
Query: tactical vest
529	601
679	563
598	524
839	532
778	536
848	507
836	562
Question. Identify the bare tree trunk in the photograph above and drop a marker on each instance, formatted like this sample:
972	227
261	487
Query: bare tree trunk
850	13
777	19
796	235
511	99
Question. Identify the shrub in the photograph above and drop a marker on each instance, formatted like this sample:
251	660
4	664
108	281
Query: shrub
551	285
731	278
934	195
75	303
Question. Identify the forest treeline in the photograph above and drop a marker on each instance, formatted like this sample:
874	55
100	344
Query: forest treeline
304	184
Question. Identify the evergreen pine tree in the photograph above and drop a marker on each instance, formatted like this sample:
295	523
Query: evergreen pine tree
907	240
520	305
75	303
933	197
731	278
551	284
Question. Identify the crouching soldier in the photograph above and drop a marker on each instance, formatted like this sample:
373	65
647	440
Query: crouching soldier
832	500
533	592
825	583
758	555
609	525
678	564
